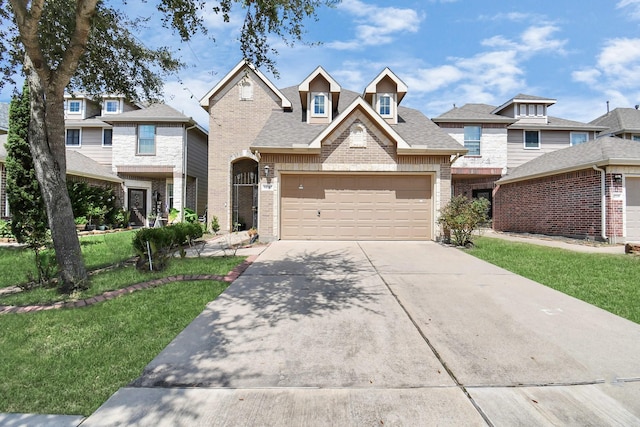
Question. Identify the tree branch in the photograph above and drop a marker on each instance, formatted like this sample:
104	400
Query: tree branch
27	21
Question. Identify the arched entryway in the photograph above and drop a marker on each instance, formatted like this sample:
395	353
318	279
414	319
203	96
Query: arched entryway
244	196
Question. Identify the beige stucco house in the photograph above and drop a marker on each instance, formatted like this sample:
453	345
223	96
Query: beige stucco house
316	161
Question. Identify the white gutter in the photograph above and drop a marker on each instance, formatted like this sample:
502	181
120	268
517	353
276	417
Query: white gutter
603	203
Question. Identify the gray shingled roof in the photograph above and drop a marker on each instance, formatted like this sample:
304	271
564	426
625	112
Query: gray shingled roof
155	113
473	113
77	164
525	97
4	116
284	129
557	123
600	152
619	120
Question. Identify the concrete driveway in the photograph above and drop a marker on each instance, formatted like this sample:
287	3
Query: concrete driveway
387	333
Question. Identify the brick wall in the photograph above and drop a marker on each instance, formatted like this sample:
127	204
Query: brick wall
233	125
562	205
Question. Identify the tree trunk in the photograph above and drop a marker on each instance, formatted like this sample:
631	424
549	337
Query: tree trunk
47	145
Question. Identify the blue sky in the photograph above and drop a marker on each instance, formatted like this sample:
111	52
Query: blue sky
448	52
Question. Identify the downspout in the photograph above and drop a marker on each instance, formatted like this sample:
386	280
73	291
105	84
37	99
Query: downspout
184	170
603	203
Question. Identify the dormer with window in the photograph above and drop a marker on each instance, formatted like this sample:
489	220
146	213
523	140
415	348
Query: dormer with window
319	95
526	108
112	106
384	94
74	108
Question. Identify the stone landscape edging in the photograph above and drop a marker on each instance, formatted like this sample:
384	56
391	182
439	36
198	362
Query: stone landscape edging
109	295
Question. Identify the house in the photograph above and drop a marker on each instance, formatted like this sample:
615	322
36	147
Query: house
505	137
160	154
79	168
620	122
319	162
587	191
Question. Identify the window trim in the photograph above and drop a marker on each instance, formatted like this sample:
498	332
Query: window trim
578	133
391	104
524	140
111	101
103	133
155	133
325	95
635	137
479	141
74	101
66	138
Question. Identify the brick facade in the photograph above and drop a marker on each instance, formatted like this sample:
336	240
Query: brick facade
561	205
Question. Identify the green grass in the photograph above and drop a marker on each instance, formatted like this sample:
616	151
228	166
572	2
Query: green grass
98	251
611	282
71	361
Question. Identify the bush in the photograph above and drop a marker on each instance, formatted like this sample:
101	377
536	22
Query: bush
461	216
190	215
163	243
215	225
5	228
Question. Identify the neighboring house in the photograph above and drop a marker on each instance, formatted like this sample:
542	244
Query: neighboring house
160	153
4	118
505	137
588	191
318	162
621	122
79	168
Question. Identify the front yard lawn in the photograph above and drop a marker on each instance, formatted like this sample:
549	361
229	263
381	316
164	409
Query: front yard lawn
69	361
611	282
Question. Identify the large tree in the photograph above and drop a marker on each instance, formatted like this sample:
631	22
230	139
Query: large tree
90	46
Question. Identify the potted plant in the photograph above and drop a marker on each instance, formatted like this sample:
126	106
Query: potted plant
96	216
81	222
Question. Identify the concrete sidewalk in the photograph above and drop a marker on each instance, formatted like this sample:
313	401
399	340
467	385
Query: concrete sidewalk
387	333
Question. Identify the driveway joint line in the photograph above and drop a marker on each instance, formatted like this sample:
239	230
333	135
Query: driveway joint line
428	342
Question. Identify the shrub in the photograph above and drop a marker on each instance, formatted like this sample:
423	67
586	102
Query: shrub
5	228
215	225
461	216
190	215
162	242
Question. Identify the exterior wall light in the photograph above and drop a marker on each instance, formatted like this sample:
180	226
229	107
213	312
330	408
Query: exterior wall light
617	178
266	170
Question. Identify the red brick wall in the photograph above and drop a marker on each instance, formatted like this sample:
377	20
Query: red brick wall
562	205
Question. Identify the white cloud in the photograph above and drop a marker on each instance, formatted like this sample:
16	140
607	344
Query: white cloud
429	80
376	25
633	5
589	76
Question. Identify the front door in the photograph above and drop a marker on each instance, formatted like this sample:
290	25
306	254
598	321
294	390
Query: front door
137	206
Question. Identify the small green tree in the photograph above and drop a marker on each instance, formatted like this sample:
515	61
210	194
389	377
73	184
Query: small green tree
215	225
461	216
29	217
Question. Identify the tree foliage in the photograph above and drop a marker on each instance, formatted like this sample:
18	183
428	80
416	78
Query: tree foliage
29	219
91	46
461	216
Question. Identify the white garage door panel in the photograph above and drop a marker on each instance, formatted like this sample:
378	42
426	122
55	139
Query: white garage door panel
633	209
385	207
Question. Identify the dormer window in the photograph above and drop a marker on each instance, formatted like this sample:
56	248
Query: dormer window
532	110
319	105
385	105
74	106
246	90
112	106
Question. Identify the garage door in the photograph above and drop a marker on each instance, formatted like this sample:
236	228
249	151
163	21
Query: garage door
356	207
633	209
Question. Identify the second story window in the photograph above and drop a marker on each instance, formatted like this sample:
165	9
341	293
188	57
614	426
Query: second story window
384	106
635	138
531	139
73	138
319	105
112	107
472	135
107	137
146	139
74	106
579	138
